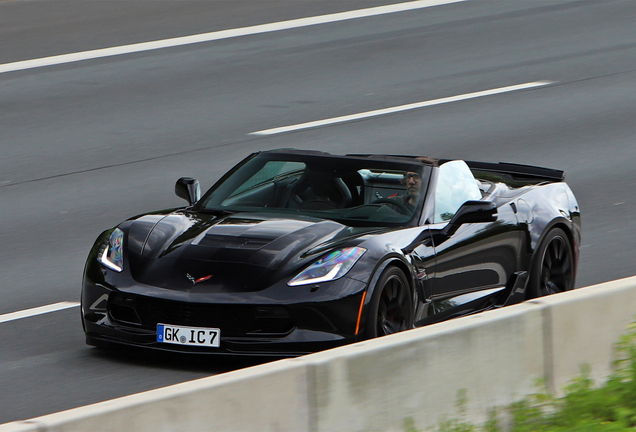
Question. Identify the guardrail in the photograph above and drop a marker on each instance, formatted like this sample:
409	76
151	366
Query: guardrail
496	357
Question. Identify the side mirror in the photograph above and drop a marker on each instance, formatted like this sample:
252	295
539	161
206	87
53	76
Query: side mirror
472	212
189	189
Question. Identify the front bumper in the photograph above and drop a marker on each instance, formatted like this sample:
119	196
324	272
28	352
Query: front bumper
261	323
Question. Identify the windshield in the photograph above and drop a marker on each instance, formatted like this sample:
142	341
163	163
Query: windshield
356	191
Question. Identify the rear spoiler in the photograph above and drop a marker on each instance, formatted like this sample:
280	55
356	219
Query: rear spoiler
518	170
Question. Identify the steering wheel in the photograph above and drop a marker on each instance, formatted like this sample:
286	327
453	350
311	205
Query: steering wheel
400	205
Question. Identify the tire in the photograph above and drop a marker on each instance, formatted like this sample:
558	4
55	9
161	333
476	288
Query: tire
391	307
553	266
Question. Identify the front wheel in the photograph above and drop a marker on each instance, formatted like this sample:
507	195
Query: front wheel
391	307
553	267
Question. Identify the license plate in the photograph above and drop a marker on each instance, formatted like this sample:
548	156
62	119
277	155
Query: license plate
178	335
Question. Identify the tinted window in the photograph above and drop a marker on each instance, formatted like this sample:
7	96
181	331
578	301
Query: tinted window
268	173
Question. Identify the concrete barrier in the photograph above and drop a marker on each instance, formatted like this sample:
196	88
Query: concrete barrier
582	326
377	384
270	397
495	357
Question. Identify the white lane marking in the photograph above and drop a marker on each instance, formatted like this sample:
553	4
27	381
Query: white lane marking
223	34
37	311
407	107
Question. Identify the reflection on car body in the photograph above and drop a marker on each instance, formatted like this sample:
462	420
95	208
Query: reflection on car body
294	251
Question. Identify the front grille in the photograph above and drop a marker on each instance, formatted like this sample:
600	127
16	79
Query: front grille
233	320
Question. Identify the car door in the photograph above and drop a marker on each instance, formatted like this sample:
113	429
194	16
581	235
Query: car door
475	260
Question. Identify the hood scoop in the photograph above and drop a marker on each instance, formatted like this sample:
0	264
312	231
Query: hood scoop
230	242
259	240
248	233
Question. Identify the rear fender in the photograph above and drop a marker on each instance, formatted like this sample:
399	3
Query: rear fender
550	206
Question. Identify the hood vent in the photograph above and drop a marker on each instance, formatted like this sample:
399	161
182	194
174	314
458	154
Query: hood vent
231	242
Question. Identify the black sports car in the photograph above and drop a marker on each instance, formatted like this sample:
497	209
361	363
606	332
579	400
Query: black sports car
297	251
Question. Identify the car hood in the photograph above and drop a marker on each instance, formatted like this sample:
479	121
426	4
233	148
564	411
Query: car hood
242	252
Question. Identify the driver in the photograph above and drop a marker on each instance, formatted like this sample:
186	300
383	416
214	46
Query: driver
413	184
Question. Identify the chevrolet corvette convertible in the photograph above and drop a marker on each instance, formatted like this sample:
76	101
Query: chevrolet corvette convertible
294	251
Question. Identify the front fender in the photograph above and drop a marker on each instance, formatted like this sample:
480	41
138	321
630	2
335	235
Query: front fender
396	260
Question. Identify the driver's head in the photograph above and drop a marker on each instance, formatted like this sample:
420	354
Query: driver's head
413	184
413	181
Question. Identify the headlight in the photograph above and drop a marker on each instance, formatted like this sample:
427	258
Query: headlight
331	267
113	254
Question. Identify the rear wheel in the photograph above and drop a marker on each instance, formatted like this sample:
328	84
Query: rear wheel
553	268
391	307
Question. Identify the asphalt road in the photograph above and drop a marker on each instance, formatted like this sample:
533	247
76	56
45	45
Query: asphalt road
87	144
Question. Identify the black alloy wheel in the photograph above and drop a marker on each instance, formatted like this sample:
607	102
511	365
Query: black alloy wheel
553	272
391	308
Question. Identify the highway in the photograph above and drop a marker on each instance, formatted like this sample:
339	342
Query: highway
89	143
